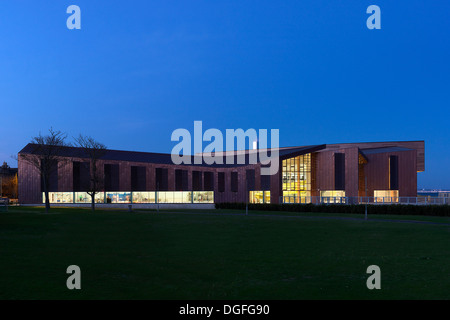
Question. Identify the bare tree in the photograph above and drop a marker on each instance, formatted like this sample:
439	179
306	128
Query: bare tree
46	156
94	150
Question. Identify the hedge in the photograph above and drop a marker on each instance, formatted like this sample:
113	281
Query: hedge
394	209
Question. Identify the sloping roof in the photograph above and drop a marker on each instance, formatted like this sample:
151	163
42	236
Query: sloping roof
384	150
165	158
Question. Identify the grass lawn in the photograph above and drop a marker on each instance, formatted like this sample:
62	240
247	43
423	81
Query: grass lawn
144	255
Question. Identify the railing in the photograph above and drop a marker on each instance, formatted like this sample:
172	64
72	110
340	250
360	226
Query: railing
368	200
4	204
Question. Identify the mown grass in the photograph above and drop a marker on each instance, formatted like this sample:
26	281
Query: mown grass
226	255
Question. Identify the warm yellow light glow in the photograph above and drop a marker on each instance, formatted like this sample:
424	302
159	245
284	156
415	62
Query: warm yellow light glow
332	193
135	197
259	196
386	195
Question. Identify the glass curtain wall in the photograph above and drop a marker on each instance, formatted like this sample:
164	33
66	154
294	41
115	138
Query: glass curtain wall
296	179
133	197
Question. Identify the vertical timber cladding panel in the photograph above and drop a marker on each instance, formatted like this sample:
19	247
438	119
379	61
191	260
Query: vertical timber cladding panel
185	180
142	178
221	186
138	177
325	171
101	174
189	178
65	177
407	173
112	176
234	185
361	180
217	194
150	169
162	178
170	177
314	190
242	194
124	176
257	169
377	172
265	182
81	175
107	176
208	180
29	180
53	179
250	176
275	185
351	171
197	177
22	185
181	180
227	193
178	180
216	186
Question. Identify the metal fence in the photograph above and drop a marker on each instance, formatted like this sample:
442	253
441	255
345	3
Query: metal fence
4	204
368	200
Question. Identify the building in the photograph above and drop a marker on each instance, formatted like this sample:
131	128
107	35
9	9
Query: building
384	171
8	181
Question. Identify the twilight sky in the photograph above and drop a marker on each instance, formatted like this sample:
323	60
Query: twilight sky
137	70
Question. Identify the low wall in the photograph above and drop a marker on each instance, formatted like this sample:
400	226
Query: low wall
124	206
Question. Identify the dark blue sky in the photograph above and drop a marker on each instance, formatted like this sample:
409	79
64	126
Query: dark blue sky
137	70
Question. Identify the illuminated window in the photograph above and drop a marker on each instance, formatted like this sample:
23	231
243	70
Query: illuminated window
266	196
203	196
135	197
84	197
296	179
58	197
144	197
118	197
332	193
165	197
386	196
259	196
332	196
